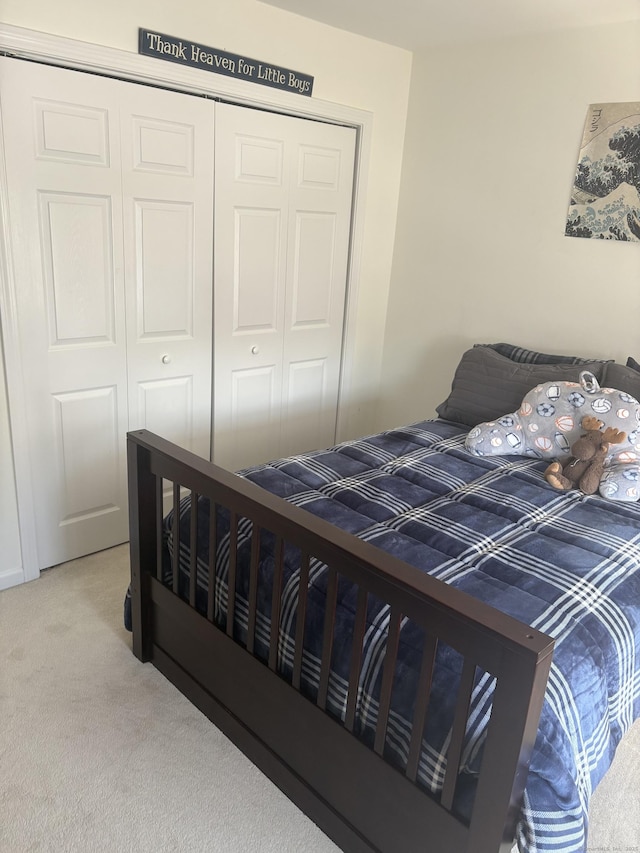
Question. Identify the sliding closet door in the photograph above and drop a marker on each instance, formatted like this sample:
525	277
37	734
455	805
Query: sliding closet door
103	239
282	223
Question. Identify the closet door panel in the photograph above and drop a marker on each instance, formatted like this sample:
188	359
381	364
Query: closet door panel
71	132
167	181
164	283
161	146
313	259
166	406
254	400
257	159
279	292
255	301
303	423
92	411
78	268
251	198
61	138
248	382
319	229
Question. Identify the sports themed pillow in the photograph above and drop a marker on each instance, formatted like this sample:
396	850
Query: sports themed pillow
549	421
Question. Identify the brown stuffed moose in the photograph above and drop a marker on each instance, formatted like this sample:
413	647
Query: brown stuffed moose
588	453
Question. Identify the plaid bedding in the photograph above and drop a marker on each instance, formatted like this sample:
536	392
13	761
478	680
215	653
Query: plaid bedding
562	562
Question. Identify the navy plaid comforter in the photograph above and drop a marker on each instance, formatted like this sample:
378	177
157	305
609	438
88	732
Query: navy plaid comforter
567	564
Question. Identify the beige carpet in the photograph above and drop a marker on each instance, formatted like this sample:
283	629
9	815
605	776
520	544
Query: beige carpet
98	752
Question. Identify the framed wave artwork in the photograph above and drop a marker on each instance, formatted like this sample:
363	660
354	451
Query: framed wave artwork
605	198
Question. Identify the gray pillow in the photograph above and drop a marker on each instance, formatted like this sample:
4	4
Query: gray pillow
622	379
487	385
532	356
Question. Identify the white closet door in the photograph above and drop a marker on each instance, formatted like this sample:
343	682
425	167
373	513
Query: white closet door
61	135
167	153
282	223
66	136
316	278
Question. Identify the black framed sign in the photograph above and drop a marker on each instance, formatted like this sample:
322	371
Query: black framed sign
184	52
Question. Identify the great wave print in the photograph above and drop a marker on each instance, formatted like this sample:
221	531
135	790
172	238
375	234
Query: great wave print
605	199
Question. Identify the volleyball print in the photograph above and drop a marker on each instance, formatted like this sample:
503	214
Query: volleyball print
601	406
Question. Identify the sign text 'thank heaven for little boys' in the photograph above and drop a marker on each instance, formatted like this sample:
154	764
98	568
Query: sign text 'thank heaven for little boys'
219	61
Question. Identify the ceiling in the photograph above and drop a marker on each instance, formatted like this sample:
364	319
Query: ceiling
417	24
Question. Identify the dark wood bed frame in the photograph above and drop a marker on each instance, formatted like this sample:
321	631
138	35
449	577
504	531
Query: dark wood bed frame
354	795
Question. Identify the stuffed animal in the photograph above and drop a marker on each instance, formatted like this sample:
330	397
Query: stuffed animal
585	468
549	421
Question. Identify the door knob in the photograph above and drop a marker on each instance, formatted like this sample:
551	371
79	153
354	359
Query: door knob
255	350
166	359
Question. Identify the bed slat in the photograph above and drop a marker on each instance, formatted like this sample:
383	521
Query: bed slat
213	549
193	553
359	628
233	566
300	619
176	536
391	653
159	516
454	752
421	705
253	588
276	604
327	637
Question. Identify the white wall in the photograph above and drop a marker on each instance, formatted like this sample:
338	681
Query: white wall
348	70
480	256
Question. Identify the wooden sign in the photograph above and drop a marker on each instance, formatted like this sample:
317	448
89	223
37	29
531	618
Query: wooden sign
151	43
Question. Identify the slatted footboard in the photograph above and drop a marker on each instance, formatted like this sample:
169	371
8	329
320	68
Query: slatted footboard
349	788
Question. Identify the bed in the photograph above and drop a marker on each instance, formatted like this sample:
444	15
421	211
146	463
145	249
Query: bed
425	650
